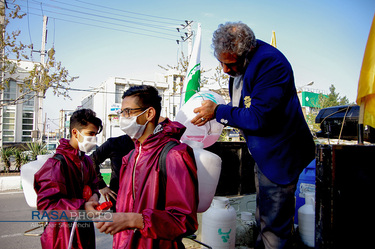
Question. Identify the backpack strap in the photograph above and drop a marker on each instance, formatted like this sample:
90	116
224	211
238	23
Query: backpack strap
61	159
163	173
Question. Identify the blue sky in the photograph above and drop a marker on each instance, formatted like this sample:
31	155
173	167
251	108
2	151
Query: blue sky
324	40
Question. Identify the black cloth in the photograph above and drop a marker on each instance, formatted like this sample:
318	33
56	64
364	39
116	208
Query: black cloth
114	148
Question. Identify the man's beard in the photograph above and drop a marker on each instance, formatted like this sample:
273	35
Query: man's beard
240	70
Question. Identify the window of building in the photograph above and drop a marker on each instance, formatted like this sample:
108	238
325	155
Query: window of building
119	92
29	99
27	124
161	92
10	91
9	120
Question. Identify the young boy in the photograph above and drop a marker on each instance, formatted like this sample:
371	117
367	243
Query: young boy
142	219
60	184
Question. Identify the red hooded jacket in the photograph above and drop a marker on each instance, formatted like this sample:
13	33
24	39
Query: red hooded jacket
61	188
162	228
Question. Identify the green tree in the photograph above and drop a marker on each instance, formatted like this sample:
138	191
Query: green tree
221	78
37	148
310	119
6	153
333	99
20	158
42	77
182	67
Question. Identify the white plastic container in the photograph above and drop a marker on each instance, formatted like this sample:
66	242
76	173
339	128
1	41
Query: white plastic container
245	231
27	178
208	170
219	224
209	133
306	220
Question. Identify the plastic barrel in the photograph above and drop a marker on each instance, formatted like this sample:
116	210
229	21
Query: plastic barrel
219	224
208	170
306	217
306	183
27	177
209	133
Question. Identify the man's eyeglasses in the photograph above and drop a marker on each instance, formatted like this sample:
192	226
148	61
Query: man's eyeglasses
126	112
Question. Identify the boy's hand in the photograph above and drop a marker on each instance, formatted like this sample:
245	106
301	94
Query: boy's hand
90	207
94	197
121	221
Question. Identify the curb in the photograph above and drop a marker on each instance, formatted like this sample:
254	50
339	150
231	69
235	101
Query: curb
10	183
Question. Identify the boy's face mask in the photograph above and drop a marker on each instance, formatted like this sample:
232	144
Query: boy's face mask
87	144
131	127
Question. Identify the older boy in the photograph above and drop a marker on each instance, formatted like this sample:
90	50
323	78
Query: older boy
143	221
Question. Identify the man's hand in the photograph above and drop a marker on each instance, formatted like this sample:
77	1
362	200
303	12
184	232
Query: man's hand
107	192
206	112
120	222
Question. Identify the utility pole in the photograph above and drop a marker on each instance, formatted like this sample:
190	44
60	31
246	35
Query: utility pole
38	121
44	40
2	74
188	35
190	41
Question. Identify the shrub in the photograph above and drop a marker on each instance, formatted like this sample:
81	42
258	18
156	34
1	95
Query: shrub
37	148
6	153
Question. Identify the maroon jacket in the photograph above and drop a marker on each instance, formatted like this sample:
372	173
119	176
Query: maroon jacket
61	188
162	228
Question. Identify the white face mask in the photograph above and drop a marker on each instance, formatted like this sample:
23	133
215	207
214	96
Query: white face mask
87	144
131	127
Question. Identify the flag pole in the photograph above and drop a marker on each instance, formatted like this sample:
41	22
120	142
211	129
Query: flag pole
360	121
273	39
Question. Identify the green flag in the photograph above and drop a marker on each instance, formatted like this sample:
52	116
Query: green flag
193	75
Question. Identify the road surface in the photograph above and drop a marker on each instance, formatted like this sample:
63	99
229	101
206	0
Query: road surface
13	207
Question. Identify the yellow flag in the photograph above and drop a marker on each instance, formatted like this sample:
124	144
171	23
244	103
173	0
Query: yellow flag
273	39
366	83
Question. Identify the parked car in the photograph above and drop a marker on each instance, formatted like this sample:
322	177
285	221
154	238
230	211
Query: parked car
342	120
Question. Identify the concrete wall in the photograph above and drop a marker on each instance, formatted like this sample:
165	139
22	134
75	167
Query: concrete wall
10	183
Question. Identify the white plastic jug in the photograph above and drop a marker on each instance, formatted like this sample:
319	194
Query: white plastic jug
27	177
208	170
219	224
209	133
306	220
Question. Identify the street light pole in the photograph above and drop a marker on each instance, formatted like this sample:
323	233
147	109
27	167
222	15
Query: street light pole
300	88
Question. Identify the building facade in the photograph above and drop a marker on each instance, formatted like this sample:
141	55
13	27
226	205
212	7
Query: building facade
106	99
18	118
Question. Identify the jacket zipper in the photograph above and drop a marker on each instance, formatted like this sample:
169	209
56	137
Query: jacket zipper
135	165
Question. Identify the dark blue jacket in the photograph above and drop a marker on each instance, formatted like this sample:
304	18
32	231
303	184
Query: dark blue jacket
270	116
